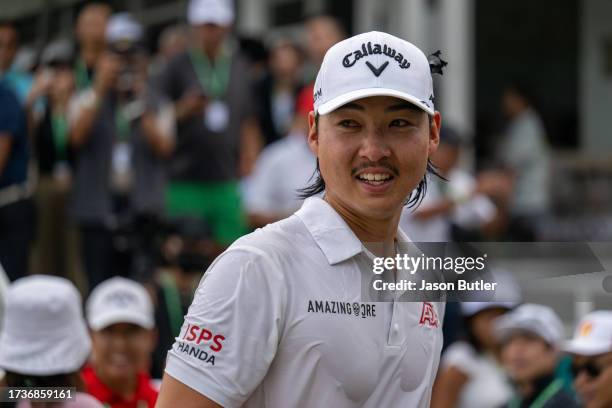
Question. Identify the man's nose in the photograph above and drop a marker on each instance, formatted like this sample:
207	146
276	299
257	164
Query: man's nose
374	146
581	380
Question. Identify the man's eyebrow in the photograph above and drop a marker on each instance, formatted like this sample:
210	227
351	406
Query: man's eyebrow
402	106
351	105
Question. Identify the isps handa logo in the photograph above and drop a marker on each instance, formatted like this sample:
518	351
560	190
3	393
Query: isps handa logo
200	343
363	310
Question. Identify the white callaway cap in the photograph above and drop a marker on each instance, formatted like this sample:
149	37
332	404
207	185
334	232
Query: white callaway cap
44	330
373	64
119	300
219	12
536	319
593	335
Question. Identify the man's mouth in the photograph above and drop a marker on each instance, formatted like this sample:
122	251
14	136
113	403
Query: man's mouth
374	179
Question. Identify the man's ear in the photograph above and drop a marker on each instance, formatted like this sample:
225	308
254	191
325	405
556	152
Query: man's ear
313	134
434	133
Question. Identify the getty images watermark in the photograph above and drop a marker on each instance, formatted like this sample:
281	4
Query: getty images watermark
486	271
407	265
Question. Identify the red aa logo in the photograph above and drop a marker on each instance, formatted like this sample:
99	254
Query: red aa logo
428	315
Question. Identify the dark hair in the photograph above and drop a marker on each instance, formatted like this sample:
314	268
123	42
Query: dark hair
59	380
413	200
253	49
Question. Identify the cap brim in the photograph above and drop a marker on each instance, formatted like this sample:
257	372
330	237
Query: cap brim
337	102
506	329
222	22
107	319
585	347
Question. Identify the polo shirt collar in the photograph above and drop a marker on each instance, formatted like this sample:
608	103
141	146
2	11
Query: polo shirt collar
331	233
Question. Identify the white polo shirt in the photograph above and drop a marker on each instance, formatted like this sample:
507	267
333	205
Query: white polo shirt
266	192
278	321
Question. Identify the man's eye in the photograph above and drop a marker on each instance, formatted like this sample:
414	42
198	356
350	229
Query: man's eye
400	123
348	123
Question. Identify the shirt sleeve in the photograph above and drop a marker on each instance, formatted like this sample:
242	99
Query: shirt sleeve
232	329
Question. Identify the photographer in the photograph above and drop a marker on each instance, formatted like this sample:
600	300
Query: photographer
122	132
56	244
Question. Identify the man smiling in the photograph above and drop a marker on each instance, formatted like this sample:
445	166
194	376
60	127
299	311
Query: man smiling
281	311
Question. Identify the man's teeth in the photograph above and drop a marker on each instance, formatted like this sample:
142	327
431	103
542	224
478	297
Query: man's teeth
375	179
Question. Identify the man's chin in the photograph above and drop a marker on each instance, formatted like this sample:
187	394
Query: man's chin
380	208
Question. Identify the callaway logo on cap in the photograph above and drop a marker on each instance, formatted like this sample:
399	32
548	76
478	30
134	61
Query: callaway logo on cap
373	64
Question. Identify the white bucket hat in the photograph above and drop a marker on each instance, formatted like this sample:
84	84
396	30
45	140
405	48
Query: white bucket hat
119	300
44	330
373	64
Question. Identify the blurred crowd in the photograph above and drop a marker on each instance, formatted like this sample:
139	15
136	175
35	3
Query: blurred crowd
506	354
123	173
104	146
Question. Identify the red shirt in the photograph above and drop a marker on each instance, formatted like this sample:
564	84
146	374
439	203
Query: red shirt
145	395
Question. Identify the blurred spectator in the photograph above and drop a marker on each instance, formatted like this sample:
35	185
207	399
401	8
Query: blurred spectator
56	244
470	375
16	208
322	31
122	132
256	56
525	153
530	338
277	92
44	342
270	198
26	59
186	255
19	82
173	41
90	32
591	348
454	202
120	317
218	135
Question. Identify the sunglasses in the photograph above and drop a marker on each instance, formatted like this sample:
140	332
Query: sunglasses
592	369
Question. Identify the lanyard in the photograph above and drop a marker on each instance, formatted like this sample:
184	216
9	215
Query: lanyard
213	78
122	125
543	398
81	76
59	127
173	303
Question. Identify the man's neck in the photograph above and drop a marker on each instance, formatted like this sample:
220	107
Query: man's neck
530	390
370	230
526	389
211	52
90	54
124	388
